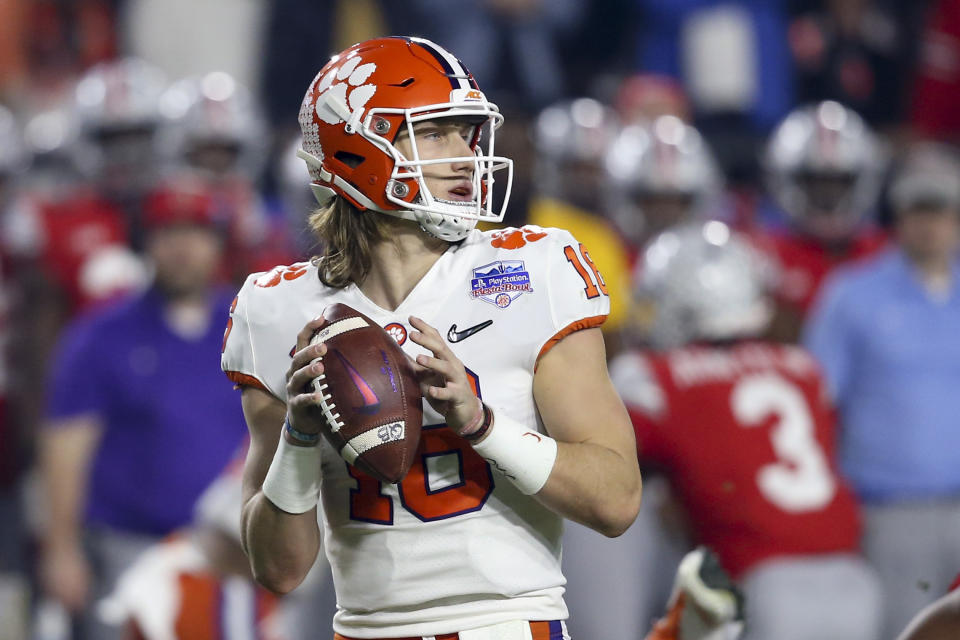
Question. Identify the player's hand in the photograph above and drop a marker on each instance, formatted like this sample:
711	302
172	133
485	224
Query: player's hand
65	574
302	401
443	378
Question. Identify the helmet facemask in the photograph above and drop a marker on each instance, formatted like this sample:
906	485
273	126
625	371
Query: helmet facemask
446	219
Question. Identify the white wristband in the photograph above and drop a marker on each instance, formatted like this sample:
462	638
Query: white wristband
293	479
525	457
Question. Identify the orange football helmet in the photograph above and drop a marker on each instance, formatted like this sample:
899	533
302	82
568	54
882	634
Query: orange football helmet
358	104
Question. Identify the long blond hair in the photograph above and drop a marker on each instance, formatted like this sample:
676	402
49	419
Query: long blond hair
347	236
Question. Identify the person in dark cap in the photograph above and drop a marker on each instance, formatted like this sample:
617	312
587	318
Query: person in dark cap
127	448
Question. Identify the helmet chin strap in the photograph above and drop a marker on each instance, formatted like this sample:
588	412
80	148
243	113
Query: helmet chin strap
435	224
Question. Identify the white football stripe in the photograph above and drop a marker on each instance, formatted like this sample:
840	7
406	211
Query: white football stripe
384	434
336	328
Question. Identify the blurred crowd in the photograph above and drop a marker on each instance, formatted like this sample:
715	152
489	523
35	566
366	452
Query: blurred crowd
147	165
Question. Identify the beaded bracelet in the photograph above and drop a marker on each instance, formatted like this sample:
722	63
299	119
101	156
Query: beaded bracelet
484	425
308	439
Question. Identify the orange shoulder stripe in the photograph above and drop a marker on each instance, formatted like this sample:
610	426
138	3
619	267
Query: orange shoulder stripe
576	325
244	380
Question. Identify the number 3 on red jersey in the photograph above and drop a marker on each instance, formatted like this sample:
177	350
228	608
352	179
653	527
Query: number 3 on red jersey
437	444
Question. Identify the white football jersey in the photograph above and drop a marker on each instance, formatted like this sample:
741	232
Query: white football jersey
454	545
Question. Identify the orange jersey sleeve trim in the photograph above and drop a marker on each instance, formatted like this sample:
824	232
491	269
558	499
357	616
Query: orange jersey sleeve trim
576	325
243	380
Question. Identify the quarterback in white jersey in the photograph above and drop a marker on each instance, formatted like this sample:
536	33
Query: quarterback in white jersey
522	426
447	537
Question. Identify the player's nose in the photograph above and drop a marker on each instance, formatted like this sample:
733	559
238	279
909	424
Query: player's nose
461	150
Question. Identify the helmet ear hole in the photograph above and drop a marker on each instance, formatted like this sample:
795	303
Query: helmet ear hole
352	160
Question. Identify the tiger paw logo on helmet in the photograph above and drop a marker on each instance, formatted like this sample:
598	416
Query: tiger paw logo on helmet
350	76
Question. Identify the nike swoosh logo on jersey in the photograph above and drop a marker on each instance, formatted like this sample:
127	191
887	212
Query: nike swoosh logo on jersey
456	336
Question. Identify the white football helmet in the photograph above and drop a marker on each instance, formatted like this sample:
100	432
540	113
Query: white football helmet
116	107
706	282
663	174
571	139
50	138
824	167
213	124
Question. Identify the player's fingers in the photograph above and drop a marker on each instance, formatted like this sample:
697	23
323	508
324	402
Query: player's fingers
444	367
303	338
304	376
429	338
303	402
442	394
306	355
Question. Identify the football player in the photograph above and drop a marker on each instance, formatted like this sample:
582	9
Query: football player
659	175
196	584
86	233
742	429
704	603
666	174
399	140
823	168
212	125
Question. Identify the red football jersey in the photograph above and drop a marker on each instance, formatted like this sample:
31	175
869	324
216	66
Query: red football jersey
81	243
805	263
747	437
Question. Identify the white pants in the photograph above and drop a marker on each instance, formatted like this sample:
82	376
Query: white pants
833	597
915	548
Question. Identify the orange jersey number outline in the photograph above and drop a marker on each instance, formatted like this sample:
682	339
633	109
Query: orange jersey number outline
591	284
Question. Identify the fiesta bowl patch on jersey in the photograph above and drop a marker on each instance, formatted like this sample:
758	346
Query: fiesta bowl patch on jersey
371	402
500	282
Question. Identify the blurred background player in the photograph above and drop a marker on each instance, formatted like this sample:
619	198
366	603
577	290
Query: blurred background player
704	602
659	174
86	234
885	333
213	125
742	429
662	173
571	139
196	583
125	454
824	168
76	231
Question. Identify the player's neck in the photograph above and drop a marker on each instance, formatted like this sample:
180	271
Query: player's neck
399	263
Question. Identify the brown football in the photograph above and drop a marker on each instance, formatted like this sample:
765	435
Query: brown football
371	399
